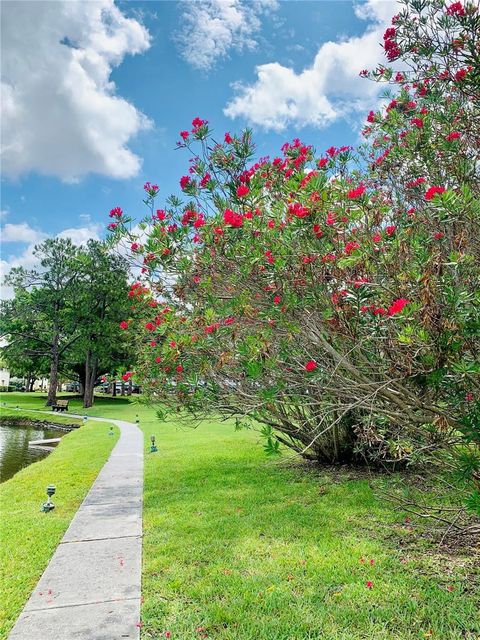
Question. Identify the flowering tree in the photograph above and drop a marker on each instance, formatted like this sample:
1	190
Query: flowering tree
332	298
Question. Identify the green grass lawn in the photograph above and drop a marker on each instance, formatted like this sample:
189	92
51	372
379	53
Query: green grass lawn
238	546
28	537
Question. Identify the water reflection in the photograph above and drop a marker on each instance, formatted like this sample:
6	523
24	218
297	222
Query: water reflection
14	450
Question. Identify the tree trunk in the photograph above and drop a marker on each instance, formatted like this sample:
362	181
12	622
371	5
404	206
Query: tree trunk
114	389
32	382
130	388
123	389
90	377
53	381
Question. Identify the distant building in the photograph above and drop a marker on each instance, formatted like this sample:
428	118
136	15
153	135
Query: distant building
4	377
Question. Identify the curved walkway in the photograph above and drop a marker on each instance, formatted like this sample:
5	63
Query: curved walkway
90	590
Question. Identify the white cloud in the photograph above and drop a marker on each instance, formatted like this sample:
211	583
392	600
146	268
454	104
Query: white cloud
4	213
212	27
324	92
27	259
22	232
60	113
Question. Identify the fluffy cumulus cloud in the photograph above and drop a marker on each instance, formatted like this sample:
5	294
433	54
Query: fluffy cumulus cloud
327	90
23	233
61	115
212	27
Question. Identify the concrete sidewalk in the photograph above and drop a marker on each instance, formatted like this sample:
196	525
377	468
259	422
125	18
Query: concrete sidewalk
91	588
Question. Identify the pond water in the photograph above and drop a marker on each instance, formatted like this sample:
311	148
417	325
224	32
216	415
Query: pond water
14	450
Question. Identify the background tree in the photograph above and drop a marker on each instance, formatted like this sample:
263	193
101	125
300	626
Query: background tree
42	312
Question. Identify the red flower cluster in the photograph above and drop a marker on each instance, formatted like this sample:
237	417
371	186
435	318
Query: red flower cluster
126	376
392	50
311	366
397	306
356	193
455	9
116	213
124	324
242	191
298	210
433	191
454	135
232	218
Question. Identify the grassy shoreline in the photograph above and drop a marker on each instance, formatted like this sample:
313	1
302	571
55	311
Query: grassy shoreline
240	547
28	538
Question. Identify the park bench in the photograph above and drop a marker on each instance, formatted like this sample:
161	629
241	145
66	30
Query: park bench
61	405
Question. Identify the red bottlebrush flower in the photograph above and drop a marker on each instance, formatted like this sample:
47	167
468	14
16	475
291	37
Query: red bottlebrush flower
363	73
331	218
377	238
455	9
126	376
454	135
439	235
277	300
150	326
232	218
356	193
179	368
104	379
184	135
184	182
161	215
371	561
417	122
469	397
173	344
322	163
351	246
432	192
317	230
229	320
153	343
168	634
158	359
379	311
242	191
397	306
205	180
460	75
135	246
198	122
271	224
371	117
112	226
123	324
228	138
369	584
390	230
116	213
310	366
298	210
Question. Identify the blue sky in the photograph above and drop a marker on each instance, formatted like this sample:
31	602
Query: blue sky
94	102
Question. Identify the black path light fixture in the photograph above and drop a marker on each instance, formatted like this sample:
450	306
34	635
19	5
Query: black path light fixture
137	419
48	505
153	447
110	433
85	418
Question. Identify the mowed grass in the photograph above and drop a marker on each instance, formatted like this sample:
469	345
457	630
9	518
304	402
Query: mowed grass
238	546
28	538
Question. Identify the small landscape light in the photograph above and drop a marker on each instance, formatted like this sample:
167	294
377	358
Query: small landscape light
153	448
85	418
110	433
137	419
48	505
